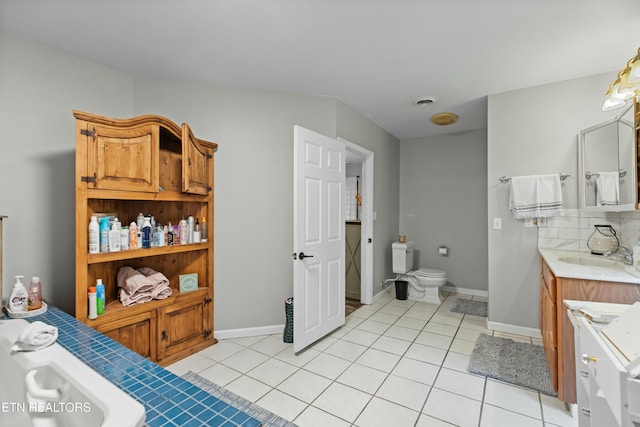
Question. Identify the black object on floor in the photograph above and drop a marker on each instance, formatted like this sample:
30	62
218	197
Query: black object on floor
287	336
401	289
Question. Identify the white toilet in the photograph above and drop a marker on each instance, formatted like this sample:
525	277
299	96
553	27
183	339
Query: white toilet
423	283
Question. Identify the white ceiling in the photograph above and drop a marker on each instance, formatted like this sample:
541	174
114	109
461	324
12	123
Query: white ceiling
378	56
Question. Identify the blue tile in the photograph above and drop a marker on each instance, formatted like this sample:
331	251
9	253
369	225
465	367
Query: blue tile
168	399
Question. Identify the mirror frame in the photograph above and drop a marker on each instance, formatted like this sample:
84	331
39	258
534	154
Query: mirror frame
631	174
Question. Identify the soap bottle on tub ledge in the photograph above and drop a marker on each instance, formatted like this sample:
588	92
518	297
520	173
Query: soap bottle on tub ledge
18	297
35	294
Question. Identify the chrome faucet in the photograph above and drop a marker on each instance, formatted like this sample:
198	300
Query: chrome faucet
626	254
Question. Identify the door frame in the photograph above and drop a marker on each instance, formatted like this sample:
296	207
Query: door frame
366	220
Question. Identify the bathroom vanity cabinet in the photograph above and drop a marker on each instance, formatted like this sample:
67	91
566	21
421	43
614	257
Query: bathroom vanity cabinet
557	331
148	165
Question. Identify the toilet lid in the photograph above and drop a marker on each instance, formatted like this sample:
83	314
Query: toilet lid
431	272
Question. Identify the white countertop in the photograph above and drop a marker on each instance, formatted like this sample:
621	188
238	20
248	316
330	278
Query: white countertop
617	272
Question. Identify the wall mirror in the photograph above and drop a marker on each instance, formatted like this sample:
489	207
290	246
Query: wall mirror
607	165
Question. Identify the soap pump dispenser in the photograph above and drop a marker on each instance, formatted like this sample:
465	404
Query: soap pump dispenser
18	297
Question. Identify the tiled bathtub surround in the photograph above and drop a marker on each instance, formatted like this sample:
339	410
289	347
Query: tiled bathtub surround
572	230
168	399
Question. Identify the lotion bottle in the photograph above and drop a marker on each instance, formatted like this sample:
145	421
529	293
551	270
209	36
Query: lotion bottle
35	294
18	297
93	307
146	233
100	297
94	235
104	234
114	238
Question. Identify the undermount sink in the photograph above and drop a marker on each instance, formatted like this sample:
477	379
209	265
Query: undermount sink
591	262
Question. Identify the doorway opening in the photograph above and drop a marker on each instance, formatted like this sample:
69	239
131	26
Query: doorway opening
359	226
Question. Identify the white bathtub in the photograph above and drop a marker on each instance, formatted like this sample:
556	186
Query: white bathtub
51	387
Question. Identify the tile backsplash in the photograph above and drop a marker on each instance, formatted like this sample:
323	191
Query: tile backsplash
572	230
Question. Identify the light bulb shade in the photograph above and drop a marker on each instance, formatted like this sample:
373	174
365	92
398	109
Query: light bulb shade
612	103
634	74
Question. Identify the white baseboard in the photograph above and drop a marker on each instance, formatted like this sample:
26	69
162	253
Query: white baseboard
513	329
465	291
226	334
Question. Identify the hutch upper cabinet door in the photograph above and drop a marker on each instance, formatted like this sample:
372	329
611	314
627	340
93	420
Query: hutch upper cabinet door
195	164
122	158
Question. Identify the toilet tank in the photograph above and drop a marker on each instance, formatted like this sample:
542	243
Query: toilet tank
402	254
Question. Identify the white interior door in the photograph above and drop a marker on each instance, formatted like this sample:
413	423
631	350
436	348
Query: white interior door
318	236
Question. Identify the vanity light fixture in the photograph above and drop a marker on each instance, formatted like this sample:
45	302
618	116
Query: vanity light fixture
626	86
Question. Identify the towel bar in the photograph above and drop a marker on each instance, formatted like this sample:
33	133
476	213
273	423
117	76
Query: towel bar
590	175
505	179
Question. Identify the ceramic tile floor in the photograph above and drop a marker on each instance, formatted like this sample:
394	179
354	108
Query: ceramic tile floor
394	363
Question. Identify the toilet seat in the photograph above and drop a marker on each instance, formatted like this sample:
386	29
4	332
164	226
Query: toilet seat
431	272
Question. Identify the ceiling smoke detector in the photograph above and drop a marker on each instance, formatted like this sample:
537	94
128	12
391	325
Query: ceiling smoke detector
426	100
444	119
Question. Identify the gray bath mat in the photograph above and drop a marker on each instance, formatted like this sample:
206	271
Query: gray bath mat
268	419
512	362
467	306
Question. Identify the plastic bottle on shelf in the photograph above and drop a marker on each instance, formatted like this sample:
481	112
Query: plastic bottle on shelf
146	233
203	229
104	234
196	232
133	236
158	236
18	297
100	297
190	228
183	231
35	294
124	238
139	223
140	220
114	238
93	303
170	235
94	235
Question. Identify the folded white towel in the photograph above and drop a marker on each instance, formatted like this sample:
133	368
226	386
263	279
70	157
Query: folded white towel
535	196
608	188
37	335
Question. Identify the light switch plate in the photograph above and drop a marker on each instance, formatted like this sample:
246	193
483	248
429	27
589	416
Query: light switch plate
497	223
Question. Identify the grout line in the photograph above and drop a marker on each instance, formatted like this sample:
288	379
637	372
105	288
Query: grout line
429	316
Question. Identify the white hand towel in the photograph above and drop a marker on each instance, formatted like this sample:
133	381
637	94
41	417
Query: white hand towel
608	188
535	196
37	335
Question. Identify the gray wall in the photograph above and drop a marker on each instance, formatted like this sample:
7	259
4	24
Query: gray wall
531	131
443	200
39	88
254	171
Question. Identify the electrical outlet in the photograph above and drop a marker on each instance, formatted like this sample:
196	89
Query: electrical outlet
497	223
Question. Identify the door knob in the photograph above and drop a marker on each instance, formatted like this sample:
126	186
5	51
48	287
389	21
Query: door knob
303	256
